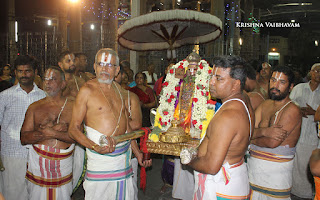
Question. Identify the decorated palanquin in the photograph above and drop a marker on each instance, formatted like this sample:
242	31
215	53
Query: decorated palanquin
185	108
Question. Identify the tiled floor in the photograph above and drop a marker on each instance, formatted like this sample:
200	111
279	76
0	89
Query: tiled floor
154	184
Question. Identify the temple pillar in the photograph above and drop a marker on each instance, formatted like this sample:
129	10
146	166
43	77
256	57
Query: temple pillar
109	25
134	57
216	48
247	33
75	43
11	29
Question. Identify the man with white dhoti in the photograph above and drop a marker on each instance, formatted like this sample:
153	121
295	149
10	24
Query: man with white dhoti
220	171
307	96
106	109
49	171
277	130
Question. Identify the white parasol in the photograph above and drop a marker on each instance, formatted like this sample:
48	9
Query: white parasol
168	30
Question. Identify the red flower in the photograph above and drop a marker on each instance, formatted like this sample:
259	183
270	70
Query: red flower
160	119
177	88
202	93
211	102
198	87
200	127
169	100
181	66
207	93
195	100
201	67
209	71
161	123
194	122
171	96
165	84
165	123
171	71
165	112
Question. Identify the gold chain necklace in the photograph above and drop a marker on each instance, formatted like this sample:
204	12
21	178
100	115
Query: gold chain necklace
117	126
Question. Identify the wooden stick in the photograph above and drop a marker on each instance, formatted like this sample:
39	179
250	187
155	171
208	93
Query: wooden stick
129	136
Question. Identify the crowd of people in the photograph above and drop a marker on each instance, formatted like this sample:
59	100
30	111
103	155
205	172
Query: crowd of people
258	145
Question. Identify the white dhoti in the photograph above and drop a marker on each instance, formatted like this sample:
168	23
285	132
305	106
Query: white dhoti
302	183
49	172
108	176
270	174
183	181
231	182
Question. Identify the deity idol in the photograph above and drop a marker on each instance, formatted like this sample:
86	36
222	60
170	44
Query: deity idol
185	99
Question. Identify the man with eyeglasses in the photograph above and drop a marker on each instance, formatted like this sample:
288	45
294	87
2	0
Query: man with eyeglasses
107	109
307	96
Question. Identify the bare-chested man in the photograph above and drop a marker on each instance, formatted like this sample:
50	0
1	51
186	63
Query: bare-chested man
105	109
222	149
74	83
81	63
264	78
45	127
277	130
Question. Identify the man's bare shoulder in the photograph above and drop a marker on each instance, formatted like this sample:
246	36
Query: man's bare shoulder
294	110
38	104
89	86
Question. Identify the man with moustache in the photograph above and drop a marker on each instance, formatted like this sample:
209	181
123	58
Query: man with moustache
81	63
106	109
307	96
13	106
74	83
263	81
221	151
272	149
45	129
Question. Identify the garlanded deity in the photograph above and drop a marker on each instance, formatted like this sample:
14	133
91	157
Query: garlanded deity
185	98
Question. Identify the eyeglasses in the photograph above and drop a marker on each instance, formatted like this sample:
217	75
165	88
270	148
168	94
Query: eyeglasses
103	64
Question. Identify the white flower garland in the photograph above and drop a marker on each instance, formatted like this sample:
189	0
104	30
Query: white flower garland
169	95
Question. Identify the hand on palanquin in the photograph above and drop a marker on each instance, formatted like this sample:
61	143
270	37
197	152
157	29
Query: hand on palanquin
105	149
143	163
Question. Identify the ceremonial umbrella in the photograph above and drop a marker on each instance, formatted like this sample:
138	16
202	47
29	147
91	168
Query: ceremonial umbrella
168	30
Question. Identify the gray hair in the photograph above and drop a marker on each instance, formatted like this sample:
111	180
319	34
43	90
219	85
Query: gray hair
109	51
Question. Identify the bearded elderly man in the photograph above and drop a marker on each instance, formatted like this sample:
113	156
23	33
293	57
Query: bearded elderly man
220	171
272	149
45	131
105	109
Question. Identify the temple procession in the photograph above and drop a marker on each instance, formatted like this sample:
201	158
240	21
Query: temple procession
161	99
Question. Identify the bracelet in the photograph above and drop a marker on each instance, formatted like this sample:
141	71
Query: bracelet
94	146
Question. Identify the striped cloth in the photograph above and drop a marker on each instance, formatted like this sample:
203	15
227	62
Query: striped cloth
49	172
108	176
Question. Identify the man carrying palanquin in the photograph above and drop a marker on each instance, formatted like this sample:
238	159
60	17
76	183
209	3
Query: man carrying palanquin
50	158
184	98
220	170
272	149
105	108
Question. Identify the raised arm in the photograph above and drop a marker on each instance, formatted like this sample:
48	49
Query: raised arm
219	137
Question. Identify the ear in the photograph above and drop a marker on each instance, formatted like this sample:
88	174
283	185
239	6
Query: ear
291	87
63	85
60	64
117	70
236	85
36	72
95	68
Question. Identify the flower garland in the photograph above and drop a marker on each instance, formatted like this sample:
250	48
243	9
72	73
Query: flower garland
202	111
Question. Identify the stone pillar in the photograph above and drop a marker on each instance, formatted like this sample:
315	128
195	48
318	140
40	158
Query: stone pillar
247	45
75	43
62	24
11	37
109	24
134	57
216	48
